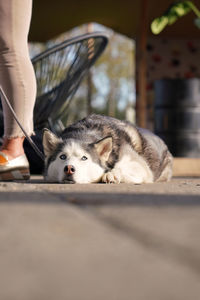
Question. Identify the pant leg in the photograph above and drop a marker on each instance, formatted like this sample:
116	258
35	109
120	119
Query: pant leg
17	76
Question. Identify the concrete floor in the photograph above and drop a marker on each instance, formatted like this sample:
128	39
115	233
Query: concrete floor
100	242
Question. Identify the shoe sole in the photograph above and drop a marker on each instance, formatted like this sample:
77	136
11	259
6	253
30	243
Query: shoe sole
15	174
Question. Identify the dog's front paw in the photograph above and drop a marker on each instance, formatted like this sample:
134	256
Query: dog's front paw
111	177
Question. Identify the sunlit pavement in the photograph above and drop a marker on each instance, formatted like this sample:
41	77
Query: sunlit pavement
100	242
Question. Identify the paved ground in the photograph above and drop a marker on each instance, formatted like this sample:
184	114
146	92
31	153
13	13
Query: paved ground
100	242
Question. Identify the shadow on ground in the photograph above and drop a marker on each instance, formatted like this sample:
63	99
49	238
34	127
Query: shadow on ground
100	198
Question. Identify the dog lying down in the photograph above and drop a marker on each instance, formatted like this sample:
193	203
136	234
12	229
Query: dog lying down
104	149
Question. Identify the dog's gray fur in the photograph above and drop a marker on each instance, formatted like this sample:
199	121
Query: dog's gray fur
117	147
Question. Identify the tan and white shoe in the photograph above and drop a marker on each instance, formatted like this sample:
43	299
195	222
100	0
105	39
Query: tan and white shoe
15	169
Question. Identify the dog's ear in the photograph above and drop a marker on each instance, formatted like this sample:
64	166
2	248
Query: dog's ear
104	147
50	141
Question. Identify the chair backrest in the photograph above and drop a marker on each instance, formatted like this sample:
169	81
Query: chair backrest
59	71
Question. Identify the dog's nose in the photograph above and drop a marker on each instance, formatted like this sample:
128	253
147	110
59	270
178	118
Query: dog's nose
69	169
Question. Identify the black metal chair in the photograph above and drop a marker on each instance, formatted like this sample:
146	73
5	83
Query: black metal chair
59	71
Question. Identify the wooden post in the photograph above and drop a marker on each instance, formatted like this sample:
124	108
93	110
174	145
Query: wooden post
142	82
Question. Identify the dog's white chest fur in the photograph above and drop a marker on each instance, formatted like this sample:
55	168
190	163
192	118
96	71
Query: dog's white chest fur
131	168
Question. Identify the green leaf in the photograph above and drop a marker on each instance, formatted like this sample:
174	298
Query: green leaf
197	22
181	9
172	18
159	24
171	15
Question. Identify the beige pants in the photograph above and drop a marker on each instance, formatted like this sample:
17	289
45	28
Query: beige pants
17	76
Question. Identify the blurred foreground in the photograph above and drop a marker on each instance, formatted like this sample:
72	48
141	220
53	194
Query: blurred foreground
115	242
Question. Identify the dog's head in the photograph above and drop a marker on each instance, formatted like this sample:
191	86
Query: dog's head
74	161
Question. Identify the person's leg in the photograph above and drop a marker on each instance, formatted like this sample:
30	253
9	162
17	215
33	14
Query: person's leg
17	76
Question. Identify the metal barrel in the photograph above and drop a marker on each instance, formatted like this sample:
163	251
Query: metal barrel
177	115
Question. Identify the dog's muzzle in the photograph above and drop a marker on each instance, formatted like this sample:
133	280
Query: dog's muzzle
69	170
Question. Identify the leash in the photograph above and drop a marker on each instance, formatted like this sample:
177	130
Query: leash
34	146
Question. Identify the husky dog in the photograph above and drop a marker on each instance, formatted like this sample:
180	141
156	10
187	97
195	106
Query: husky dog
104	149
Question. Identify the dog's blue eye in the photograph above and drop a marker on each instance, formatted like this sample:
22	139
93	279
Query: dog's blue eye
63	156
84	158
